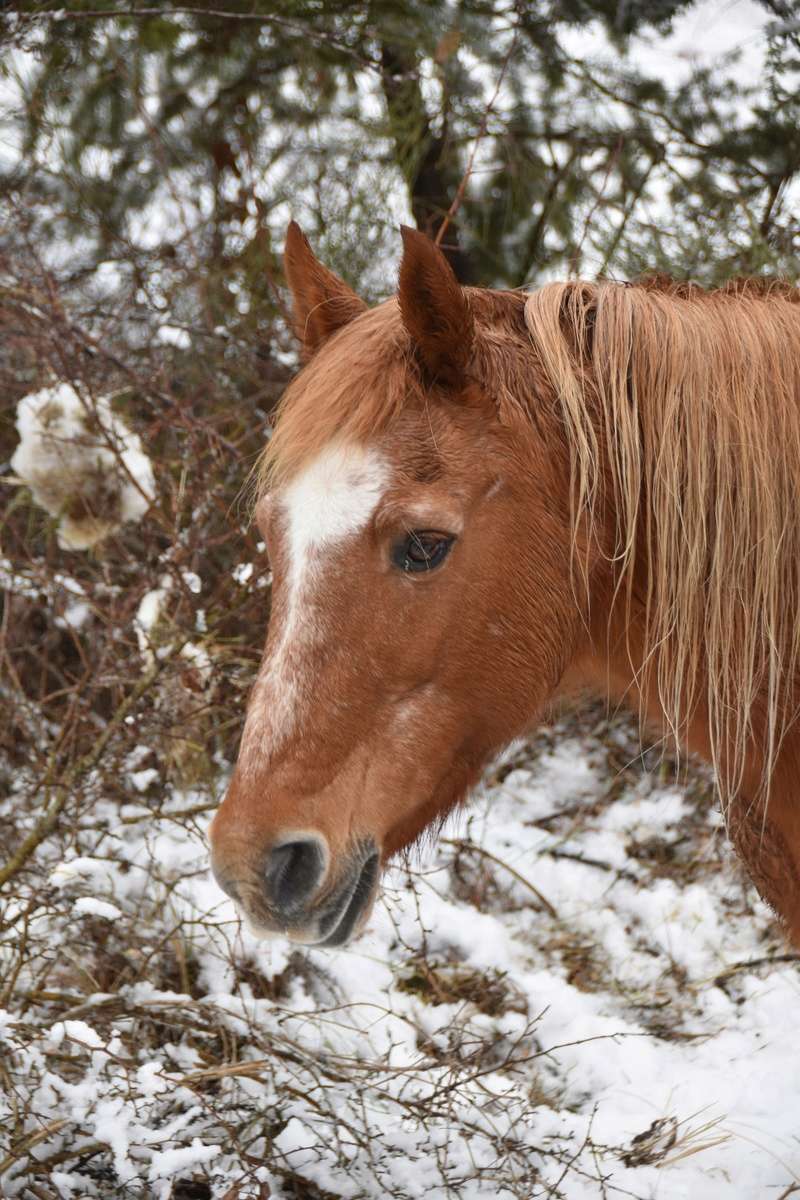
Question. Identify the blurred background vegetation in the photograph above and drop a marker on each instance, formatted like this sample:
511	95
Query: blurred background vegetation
154	155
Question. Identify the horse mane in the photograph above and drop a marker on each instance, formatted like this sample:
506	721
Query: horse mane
682	408
681	413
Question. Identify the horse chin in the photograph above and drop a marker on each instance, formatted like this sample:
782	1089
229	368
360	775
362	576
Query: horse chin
261	933
267	933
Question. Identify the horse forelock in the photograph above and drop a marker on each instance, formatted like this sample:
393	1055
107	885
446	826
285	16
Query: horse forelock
367	374
348	393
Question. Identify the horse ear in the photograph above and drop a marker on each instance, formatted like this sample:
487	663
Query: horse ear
321	301
434	309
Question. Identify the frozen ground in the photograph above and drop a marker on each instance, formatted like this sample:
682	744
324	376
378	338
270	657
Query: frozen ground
575	994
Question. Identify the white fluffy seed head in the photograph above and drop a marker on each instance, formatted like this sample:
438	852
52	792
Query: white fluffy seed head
82	464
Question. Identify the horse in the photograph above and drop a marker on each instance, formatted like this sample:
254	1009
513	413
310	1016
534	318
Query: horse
478	502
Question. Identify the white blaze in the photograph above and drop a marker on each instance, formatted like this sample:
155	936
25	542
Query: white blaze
335	496
332	499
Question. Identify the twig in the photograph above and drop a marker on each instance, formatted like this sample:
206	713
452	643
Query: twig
24	1147
462	187
630	204
63	790
620	872
461	844
612	161
750	964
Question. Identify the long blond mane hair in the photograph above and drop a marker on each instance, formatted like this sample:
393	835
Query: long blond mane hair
685	406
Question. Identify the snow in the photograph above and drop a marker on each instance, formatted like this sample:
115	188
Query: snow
77	1031
141	780
75	615
89	906
151	1079
192	581
175	336
199	658
165	1163
147	618
83	465
81	868
638	1024
242	573
77	611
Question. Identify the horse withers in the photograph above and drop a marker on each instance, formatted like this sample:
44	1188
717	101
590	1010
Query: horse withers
476	502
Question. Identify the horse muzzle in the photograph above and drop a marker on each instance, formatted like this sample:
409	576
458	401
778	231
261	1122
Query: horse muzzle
291	891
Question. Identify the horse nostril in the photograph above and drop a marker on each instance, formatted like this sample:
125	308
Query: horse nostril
294	871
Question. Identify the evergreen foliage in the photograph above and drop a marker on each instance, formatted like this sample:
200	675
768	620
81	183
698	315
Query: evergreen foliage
175	139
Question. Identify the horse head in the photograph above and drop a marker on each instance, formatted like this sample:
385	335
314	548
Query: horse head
424	605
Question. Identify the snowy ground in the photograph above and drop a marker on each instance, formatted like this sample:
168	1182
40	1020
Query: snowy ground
576	995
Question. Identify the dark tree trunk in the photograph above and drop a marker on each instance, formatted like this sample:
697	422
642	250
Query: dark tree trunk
428	160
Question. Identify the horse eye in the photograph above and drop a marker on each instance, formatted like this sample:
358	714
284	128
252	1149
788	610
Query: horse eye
421	550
